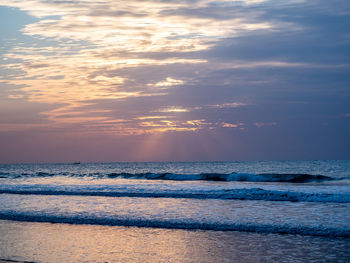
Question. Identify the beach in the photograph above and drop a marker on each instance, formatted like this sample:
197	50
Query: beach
175	212
46	242
184	131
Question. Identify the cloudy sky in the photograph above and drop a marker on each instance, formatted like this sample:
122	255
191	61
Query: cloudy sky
166	80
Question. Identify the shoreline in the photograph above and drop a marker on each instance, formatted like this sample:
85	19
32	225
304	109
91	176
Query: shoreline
28	242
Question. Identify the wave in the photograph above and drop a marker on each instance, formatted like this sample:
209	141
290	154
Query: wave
188	225
229	194
239	177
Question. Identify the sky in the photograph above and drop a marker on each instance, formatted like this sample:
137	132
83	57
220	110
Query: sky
166	80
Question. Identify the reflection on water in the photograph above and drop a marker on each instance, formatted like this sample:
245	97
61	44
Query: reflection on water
43	242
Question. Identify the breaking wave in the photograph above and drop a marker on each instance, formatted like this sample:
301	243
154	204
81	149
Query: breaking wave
239	177
181	224
233	194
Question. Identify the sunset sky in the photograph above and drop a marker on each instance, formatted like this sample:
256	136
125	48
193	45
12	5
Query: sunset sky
166	80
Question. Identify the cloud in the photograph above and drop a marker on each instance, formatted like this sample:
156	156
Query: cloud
131	68
174	109
232	125
168	82
86	49
263	124
156	126
228	105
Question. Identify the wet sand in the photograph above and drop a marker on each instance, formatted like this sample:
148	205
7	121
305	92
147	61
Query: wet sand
45	242
14	261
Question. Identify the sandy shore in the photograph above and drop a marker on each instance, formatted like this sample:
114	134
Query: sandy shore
43	242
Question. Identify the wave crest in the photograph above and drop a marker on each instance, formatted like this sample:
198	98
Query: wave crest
239	177
243	227
228	194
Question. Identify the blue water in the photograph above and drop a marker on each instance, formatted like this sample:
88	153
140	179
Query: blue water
301	197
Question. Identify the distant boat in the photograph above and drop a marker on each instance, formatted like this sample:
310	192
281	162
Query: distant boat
76	163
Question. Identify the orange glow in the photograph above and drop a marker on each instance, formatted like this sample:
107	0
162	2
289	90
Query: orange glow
93	50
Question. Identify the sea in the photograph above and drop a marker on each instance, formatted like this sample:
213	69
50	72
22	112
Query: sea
266	211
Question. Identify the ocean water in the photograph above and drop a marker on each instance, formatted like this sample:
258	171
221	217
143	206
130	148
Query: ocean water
294	205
